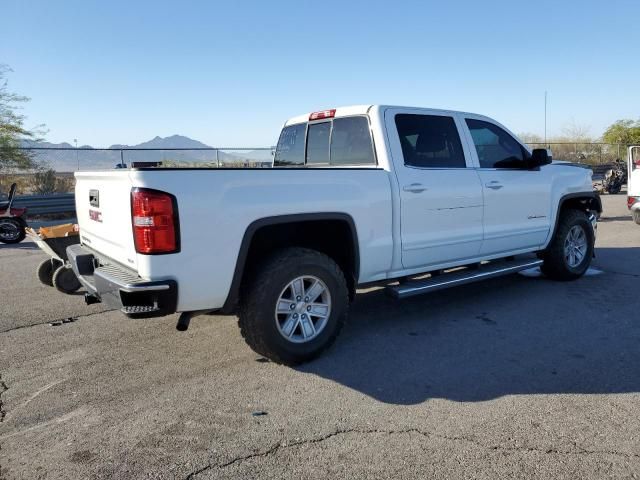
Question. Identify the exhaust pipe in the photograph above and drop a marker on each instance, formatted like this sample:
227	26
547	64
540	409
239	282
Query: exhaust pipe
185	319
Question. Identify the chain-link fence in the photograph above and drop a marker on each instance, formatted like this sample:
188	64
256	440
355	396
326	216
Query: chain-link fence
57	165
74	159
588	153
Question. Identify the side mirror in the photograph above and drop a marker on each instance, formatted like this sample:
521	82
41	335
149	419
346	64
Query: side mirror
539	157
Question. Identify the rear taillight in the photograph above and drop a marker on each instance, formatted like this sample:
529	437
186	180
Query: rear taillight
631	201
154	216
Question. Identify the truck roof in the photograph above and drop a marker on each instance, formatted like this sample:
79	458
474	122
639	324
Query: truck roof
365	109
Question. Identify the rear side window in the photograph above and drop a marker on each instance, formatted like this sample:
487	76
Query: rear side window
318	142
430	141
290	149
495	147
351	142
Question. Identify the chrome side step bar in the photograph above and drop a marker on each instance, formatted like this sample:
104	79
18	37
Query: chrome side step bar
462	277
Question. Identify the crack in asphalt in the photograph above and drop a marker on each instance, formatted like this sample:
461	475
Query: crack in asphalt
77	317
285	445
3	388
3	413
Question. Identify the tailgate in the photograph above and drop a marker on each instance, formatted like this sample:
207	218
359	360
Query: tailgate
103	207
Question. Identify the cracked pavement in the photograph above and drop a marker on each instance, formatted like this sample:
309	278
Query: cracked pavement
512	378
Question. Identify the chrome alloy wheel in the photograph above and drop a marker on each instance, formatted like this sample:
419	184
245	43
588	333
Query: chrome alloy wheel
575	246
303	309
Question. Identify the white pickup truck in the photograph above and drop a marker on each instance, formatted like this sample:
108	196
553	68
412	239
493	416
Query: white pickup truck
411	199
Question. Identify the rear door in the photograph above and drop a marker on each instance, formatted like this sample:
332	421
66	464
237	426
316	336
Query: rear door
440	192
517	200
103	207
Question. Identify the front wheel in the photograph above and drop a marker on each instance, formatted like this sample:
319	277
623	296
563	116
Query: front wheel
295	306
11	230
569	254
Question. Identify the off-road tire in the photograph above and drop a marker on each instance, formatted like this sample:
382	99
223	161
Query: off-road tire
555	265
45	271
65	280
257	304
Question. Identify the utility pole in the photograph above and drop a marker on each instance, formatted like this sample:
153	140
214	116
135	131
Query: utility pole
545	119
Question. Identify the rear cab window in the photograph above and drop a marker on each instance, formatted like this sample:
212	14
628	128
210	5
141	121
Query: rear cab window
318	138
339	142
290	148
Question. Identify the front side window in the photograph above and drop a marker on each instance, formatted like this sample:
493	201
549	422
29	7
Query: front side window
430	141
495	147
290	149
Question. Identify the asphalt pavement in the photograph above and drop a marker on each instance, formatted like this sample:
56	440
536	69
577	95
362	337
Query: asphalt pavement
517	377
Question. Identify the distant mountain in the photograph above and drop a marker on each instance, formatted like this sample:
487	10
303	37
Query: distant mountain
63	157
174	141
32	144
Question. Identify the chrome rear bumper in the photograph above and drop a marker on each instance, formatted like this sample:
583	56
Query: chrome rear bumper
121	288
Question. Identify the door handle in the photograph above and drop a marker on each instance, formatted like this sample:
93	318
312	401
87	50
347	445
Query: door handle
414	188
495	185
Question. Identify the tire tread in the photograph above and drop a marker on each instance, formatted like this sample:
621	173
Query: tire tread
554	263
252	303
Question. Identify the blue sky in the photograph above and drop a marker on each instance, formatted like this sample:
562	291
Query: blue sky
230	73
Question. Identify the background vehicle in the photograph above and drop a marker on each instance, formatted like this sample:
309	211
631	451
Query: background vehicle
633	182
12	220
412	199
614	178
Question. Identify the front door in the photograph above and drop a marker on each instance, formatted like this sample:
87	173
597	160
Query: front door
440	194
517	200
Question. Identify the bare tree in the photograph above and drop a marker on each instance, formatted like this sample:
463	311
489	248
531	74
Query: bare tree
12	129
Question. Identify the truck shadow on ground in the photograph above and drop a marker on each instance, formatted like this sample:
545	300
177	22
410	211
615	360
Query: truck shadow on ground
507	336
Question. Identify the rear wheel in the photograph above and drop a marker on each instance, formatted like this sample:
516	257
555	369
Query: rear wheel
11	230
569	254
65	280
636	216
46	269
295	306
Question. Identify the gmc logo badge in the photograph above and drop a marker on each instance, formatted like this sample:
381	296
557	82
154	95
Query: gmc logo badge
95	215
